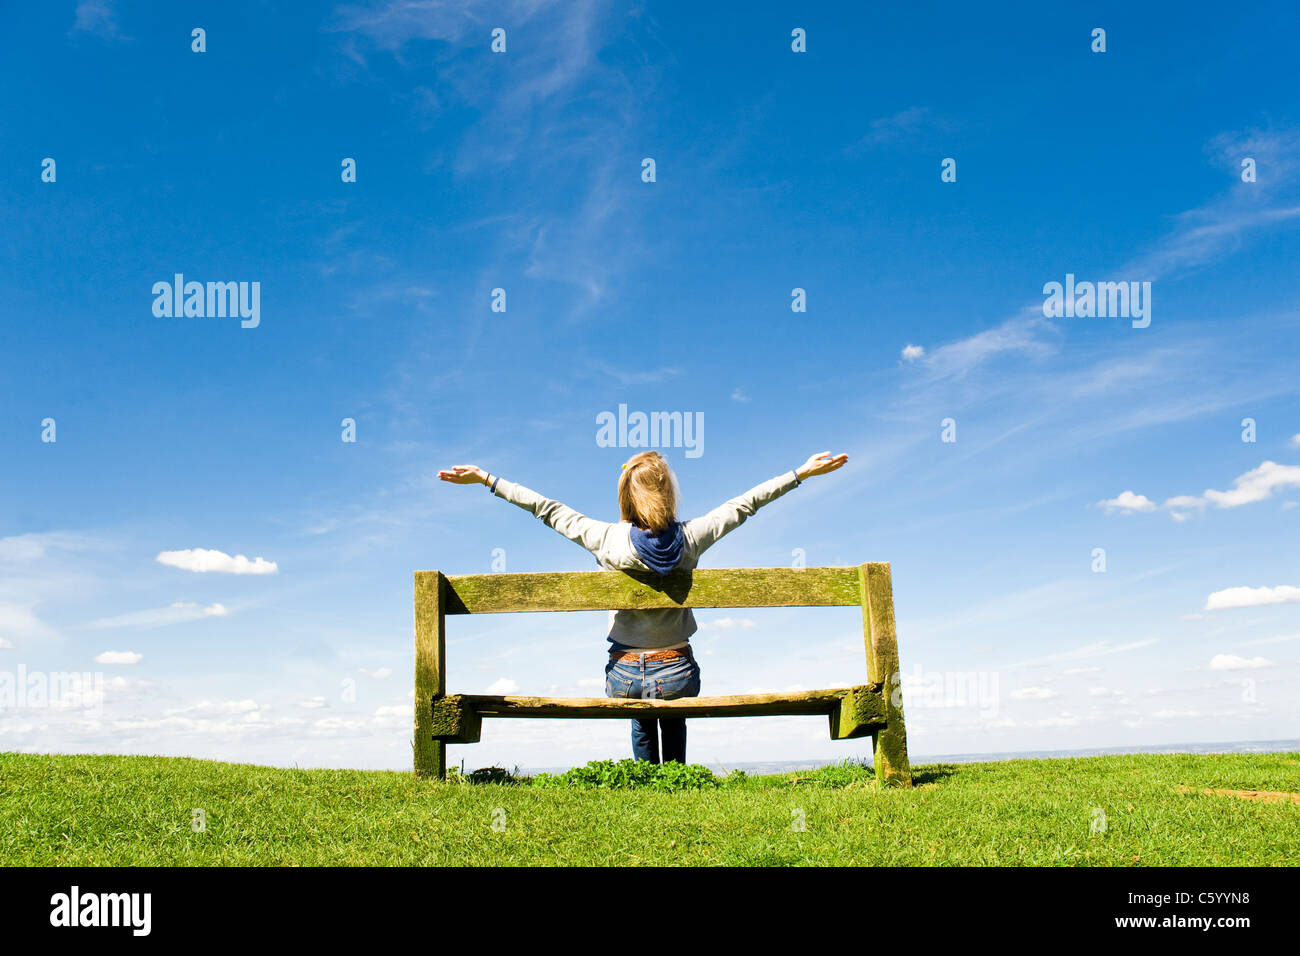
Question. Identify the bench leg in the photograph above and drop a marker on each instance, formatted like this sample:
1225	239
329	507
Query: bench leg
430	756
889	745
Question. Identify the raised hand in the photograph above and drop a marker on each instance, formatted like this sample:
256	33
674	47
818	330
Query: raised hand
464	475
823	463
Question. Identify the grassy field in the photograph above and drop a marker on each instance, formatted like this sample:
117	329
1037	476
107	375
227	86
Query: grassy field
88	810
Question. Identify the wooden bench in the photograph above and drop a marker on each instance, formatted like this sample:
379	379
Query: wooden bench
874	708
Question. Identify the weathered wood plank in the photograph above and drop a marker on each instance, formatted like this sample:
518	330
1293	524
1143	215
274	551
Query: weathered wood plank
862	712
430	674
620	590
890	743
455	721
739	705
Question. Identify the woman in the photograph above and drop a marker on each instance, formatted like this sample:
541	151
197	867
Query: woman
650	656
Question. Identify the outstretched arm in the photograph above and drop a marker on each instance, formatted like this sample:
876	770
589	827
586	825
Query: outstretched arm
577	527
704	532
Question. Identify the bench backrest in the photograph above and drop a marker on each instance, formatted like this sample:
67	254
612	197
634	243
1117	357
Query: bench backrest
626	590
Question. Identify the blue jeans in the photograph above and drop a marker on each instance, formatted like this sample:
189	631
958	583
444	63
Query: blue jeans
663	680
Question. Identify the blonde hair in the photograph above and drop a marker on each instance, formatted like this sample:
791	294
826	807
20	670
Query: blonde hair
647	492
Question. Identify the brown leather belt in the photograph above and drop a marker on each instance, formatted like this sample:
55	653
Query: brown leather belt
667	655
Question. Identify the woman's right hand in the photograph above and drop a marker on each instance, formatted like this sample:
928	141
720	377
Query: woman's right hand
464	475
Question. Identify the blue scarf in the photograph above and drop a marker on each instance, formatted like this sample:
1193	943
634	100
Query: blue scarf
660	552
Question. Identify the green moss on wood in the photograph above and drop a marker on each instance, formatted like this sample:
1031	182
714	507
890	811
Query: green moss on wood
453	720
861	711
618	590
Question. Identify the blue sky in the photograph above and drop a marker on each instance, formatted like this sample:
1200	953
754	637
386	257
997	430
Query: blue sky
522	171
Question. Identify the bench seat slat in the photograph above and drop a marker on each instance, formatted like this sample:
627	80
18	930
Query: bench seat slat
853	711
739	705
636	590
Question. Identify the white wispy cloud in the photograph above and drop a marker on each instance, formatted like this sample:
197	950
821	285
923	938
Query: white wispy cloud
1210	232
529	106
203	560
26	548
1095	649
176	613
1258	484
1282	639
1203	234
502	686
635	376
905	125
21	621
97	17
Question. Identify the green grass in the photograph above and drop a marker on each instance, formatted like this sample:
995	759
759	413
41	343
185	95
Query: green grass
90	810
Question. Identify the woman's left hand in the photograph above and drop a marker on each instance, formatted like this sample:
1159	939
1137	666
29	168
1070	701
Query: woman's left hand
464	475
822	463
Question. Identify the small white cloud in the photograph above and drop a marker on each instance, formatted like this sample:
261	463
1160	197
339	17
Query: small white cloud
396	710
1295	441
312	703
1252	597
1032	693
1128	503
1065	720
1231	662
118	657
739	395
216	707
5	645
912	353
378	673
203	560
726	623
95	16
1071	671
502	686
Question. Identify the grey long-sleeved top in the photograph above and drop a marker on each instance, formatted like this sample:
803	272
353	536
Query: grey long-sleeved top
611	543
